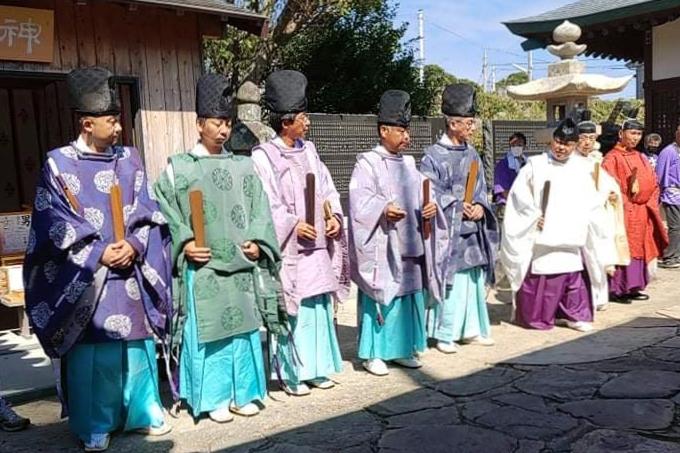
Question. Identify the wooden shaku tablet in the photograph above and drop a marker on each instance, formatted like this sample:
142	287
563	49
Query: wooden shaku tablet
117	213
327	210
545	197
427	224
310	199
197	219
471	182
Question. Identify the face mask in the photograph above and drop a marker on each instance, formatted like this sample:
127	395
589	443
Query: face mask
652	149
516	150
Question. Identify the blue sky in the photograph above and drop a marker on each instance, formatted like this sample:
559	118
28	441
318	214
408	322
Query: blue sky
456	31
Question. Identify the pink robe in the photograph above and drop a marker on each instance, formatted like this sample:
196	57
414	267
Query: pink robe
309	268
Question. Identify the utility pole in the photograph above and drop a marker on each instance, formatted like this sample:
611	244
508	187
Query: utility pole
421	41
485	72
493	79
530	65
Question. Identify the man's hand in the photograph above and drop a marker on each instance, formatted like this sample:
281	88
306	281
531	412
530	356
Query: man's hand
473	212
305	231
119	255
251	250
635	188
199	255
430	210
541	223
110	252
610	270
613	198
394	213
332	227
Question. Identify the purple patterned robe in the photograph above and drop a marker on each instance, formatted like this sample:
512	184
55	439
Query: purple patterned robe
466	244
65	302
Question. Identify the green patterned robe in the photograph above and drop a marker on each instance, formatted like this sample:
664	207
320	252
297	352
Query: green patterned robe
233	294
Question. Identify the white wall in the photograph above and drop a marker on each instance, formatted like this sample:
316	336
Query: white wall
666	51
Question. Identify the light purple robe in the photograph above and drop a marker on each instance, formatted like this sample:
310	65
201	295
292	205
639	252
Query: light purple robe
668	174
503	178
388	259
309	268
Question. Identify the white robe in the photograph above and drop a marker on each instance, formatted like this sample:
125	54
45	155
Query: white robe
573	231
615	246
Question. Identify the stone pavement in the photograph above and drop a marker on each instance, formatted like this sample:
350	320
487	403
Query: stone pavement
615	389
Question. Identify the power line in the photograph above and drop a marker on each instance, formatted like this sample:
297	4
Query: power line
464	38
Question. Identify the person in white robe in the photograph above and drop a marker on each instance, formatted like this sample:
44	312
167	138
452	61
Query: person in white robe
553	235
615	247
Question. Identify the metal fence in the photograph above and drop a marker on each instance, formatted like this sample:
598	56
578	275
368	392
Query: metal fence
502	130
339	138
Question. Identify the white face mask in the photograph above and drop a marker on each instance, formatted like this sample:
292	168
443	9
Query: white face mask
516	150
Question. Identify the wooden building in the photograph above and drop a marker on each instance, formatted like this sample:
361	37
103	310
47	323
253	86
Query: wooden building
154	49
152	46
642	31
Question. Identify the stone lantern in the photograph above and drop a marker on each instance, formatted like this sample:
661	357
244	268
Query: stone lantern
249	130
567	86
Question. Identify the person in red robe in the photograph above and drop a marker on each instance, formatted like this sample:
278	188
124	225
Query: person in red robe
647	237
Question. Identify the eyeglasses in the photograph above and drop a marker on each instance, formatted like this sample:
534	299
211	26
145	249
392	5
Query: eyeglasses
469	123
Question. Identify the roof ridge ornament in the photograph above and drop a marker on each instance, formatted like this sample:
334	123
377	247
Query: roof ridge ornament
566	34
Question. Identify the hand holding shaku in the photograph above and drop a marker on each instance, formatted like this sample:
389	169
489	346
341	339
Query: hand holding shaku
429	210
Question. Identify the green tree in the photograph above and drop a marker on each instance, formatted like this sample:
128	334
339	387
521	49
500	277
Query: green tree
243	56
516	78
429	95
351	60
350	51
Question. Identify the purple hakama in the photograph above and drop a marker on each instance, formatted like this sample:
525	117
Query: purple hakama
544	298
629	279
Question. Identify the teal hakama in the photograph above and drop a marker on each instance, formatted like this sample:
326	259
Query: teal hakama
402	333
216	373
316	354
221	304
463	314
112	385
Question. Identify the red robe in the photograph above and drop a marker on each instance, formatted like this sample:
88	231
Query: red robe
647	236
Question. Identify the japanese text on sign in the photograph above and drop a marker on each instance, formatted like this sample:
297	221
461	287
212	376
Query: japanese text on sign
26	34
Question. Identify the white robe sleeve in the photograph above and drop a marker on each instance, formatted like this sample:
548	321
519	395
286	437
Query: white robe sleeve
520	228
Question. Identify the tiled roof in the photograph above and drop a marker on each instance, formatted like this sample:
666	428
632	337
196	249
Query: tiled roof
595	17
584	8
207	6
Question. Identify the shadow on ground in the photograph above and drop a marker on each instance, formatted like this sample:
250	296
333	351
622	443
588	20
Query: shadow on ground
598	393
553	400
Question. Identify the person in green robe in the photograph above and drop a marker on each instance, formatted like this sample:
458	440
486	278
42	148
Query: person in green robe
228	288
